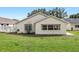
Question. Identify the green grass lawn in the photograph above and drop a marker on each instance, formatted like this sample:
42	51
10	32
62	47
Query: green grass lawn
31	43
74	32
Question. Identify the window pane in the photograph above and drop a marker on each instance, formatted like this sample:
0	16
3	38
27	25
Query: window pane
57	27
76	26
54	27
50	27
7	24
44	27
2	24
28	26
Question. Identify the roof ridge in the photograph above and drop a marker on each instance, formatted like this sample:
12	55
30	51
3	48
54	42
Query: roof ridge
52	16
33	16
9	19
4	17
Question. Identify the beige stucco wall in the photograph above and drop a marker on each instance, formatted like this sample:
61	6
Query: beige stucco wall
31	20
50	20
68	26
72	25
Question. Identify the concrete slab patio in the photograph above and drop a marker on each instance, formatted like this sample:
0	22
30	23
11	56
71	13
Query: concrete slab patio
67	33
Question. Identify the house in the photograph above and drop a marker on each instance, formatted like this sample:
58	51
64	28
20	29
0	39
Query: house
41	23
73	23
7	25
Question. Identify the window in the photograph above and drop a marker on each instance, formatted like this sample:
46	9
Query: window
1	24
76	26
28	26
44	27
57	27
7	24
51	27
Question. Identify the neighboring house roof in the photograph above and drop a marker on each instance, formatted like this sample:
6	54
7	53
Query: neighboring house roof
7	21
53	17
72	20
33	16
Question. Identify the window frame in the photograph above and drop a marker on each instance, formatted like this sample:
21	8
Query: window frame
52	26
76	26
43	28
29	27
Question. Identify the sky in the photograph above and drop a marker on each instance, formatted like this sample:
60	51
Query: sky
21	12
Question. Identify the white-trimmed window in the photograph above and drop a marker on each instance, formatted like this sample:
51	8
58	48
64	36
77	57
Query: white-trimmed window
1	24
7	24
51	27
76	26
28	26
44	27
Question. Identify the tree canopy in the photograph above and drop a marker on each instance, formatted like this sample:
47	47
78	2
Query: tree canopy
58	12
74	15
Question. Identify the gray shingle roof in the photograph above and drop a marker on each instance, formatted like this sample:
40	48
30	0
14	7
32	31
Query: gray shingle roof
33	16
7	21
52	17
42	19
72	20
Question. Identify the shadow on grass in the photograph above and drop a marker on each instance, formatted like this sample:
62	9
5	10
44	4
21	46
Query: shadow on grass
33	35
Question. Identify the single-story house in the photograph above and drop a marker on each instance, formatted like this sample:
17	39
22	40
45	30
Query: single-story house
41	23
73	23
7	25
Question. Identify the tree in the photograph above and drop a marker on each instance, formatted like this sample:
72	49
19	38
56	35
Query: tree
74	15
58	12
36	11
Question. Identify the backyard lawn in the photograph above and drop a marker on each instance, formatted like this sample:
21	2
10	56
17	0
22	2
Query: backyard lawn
32	43
74	32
